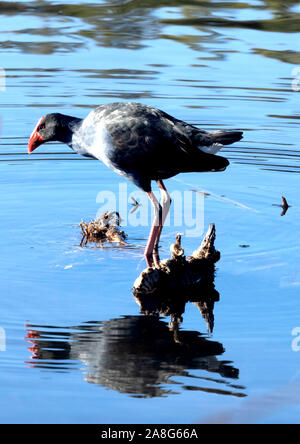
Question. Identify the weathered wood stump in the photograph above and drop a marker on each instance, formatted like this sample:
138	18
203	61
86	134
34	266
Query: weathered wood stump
178	272
104	229
166	290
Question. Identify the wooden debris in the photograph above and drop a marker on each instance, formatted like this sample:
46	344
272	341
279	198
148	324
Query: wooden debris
178	274
104	229
166	290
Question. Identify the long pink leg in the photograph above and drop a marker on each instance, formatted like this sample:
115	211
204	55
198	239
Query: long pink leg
165	204
154	230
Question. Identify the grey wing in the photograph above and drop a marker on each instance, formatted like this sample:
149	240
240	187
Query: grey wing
152	145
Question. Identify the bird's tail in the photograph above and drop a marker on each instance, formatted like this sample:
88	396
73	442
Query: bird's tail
211	143
204	162
226	137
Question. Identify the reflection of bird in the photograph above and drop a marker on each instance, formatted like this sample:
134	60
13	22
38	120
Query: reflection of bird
141	143
136	355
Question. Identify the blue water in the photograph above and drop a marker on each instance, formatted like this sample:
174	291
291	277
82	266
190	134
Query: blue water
74	345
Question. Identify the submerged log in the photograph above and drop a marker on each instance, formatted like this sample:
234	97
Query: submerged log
166	290
104	229
178	272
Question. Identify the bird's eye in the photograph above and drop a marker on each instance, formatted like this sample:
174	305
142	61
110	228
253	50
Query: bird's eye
42	126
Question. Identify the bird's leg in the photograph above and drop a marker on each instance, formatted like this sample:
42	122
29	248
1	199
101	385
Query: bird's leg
154	230
165	204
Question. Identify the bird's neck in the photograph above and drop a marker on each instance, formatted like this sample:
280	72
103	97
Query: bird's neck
81	136
69	125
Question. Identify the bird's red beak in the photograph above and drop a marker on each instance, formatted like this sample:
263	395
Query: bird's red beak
35	138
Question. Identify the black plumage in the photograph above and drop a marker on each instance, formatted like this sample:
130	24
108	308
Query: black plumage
141	143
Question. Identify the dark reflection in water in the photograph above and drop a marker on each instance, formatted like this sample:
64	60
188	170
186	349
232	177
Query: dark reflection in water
216	64
129	24
139	355
290	23
136	355
202	294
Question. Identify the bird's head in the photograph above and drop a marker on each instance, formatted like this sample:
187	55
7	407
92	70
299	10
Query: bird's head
49	127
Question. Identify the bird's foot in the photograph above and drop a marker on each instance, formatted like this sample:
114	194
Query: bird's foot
152	260
156	259
149	259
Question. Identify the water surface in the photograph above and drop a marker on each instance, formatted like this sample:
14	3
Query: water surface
77	347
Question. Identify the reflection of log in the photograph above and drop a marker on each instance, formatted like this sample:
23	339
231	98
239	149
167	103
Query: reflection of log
104	229
173	305
178	273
